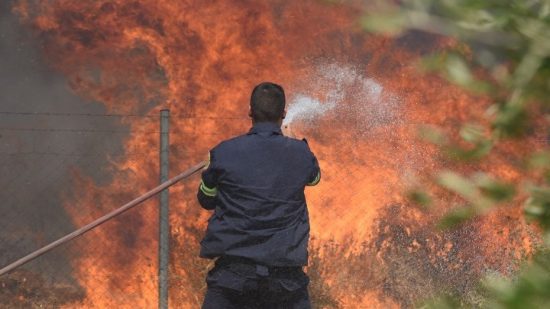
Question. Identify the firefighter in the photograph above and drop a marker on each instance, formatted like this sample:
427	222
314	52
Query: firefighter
259	230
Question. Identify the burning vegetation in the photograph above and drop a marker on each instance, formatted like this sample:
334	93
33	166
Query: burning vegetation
357	98
25	289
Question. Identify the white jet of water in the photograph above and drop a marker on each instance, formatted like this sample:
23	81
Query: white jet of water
306	109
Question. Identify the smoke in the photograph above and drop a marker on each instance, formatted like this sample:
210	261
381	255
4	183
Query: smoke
43	135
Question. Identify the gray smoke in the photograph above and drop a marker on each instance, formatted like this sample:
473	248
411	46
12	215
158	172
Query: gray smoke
37	151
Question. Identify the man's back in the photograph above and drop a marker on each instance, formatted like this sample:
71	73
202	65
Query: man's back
260	208
260	228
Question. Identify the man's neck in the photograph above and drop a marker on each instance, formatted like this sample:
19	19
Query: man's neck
277	123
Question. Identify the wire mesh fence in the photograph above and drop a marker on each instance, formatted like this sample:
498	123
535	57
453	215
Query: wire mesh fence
57	177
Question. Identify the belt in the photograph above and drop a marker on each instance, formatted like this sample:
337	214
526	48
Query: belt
249	267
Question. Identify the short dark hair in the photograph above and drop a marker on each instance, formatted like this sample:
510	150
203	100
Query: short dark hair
267	102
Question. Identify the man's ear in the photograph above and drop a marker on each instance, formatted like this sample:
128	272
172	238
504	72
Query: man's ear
284	114
249	112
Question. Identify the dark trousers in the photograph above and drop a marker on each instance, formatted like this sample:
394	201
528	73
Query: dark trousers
243	285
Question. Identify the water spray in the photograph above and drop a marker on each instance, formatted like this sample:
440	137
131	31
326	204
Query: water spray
306	110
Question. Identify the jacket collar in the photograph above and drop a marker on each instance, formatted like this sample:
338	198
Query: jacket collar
265	127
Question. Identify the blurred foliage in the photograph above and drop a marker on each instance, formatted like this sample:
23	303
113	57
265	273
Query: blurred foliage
502	52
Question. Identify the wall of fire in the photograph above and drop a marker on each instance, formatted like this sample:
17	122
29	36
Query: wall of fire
81	84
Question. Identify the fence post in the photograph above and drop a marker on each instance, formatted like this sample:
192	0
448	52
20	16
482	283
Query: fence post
164	224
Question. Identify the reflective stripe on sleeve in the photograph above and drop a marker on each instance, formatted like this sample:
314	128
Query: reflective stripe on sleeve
208	191
316	180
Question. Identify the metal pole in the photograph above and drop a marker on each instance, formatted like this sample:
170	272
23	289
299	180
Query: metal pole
33	255
164	224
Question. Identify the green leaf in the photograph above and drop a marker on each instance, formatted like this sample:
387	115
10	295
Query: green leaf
479	151
442	302
458	71
534	210
432	62
537	207
511	120
541	194
495	190
458	184
390	23
419	197
539	160
455	217
472	133
432	134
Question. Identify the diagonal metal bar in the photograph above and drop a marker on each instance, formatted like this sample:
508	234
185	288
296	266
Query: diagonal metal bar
189	172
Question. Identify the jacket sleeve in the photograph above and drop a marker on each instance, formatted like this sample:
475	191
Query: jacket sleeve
315	170
208	188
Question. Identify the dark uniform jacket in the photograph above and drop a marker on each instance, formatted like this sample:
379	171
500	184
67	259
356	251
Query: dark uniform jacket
255	185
